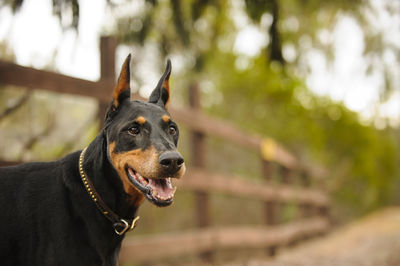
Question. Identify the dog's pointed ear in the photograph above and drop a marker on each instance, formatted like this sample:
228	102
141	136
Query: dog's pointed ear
161	94
123	88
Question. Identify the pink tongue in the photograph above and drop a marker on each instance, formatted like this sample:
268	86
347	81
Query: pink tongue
162	188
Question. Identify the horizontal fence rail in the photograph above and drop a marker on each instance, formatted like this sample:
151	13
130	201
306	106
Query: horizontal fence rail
142	249
200	180
30	78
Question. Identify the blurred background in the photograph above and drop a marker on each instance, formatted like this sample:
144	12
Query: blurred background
321	78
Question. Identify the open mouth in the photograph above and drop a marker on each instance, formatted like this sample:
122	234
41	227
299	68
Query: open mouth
158	191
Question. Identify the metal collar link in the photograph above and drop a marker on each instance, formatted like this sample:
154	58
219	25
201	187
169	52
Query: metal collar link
123	226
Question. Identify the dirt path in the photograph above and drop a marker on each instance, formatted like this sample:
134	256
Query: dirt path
371	241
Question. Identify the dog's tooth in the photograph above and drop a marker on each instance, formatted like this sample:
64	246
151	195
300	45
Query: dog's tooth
169	184
138	177
141	179
131	172
144	181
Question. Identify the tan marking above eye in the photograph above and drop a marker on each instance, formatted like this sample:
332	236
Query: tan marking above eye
141	120
166	118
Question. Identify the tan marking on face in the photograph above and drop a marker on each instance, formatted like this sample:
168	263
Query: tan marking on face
145	162
166	118
181	172
141	120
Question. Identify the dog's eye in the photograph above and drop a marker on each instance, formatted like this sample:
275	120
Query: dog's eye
135	130
172	130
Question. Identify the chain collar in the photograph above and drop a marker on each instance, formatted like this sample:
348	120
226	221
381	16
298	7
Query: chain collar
121	226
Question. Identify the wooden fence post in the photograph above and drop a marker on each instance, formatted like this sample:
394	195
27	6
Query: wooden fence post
108	47
270	207
198	156
286	178
306	210
285	175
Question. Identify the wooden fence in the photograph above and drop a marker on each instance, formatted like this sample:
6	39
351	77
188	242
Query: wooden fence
313	204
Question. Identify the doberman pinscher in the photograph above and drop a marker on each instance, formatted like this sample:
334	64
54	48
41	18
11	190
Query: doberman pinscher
76	211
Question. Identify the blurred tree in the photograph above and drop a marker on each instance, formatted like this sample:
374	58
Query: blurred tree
65	10
362	161
195	28
256	9
199	24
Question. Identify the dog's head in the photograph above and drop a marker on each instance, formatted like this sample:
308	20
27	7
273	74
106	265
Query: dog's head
142	141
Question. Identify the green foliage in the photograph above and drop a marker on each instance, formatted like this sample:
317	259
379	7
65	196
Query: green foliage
257	8
271	101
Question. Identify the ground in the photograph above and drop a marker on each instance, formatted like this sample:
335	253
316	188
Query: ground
371	241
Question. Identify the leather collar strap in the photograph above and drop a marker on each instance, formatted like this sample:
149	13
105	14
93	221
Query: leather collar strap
121	226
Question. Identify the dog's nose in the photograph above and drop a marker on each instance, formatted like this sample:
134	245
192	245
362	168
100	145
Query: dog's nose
171	161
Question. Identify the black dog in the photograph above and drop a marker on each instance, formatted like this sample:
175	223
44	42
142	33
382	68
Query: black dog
75	211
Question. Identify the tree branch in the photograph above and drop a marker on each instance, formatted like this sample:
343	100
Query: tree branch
16	106
34	139
275	47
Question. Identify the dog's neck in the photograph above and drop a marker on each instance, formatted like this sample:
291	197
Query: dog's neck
106	180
